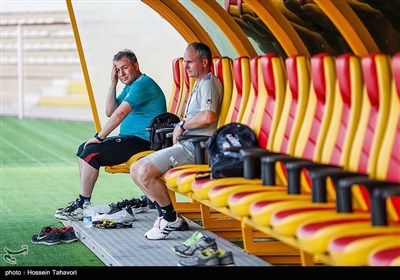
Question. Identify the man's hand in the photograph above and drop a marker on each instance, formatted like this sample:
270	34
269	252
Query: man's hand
177	132
114	75
92	140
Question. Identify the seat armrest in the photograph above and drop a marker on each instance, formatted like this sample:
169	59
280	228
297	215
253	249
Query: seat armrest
344	194
319	177
192	136
254	152
294	168
378	203
165	130
268	162
199	149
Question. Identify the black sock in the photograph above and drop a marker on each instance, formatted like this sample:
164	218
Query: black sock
82	200
160	213
169	213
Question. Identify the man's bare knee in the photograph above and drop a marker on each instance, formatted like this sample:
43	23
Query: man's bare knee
147	173
133	170
143	175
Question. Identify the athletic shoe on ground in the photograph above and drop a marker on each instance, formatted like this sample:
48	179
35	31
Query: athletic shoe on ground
225	258
197	242
123	216
48	235
162	227
76	201
156	222
148	201
141	206
183	226
138	205
67	235
116	207
201	258
73	212
209	257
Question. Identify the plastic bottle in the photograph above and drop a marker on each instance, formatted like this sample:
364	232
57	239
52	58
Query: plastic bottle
87	214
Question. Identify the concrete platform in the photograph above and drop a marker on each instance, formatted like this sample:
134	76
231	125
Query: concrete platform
128	247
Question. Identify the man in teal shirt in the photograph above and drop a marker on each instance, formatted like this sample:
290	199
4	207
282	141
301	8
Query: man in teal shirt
139	102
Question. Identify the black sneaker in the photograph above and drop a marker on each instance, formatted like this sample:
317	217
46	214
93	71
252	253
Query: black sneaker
196	242
73	212
140	206
136	204
68	235
183	225
49	236
116	207
148	202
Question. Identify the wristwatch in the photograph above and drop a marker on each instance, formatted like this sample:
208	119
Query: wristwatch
181	124
98	137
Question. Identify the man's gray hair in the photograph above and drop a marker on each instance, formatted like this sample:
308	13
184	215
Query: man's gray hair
202	50
130	55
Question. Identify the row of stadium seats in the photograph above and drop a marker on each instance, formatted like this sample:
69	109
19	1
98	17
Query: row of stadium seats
39	21
328	134
38	33
42	60
337	112
49	55
40	47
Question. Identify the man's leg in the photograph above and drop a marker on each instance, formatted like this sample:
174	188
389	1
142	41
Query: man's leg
88	178
145	173
146	176
114	150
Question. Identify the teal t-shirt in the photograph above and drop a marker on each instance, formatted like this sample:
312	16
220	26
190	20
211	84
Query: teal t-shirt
146	100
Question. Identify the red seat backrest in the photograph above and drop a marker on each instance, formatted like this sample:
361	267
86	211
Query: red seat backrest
272	89
177	86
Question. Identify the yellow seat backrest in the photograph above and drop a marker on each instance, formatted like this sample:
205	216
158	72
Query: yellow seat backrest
240	90
374	113
271	88
349	87
367	141
389	156
178	87
224	71
294	107
318	115
295	104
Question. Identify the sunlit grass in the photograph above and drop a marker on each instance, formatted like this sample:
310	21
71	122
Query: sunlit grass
38	174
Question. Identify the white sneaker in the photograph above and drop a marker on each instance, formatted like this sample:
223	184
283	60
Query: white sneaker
70	214
123	216
156	222
162	227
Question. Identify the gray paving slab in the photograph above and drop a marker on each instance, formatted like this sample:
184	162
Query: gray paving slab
128	247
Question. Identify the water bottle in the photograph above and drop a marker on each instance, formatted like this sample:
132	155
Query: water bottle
87	214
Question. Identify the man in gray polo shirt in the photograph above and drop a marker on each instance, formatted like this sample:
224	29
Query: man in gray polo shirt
201	118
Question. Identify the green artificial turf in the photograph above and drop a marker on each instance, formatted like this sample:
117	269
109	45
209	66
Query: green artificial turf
38	174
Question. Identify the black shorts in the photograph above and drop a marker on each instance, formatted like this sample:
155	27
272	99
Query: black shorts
112	151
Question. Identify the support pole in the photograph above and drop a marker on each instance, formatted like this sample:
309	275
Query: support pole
20	74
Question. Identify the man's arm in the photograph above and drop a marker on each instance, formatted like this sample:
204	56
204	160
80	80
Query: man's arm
114	121
201	119
111	100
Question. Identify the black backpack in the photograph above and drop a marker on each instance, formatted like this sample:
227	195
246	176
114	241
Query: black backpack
229	163
164	120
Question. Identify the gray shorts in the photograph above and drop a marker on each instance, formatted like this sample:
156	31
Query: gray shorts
170	157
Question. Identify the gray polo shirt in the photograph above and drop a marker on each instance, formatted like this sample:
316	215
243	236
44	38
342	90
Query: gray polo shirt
207	95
